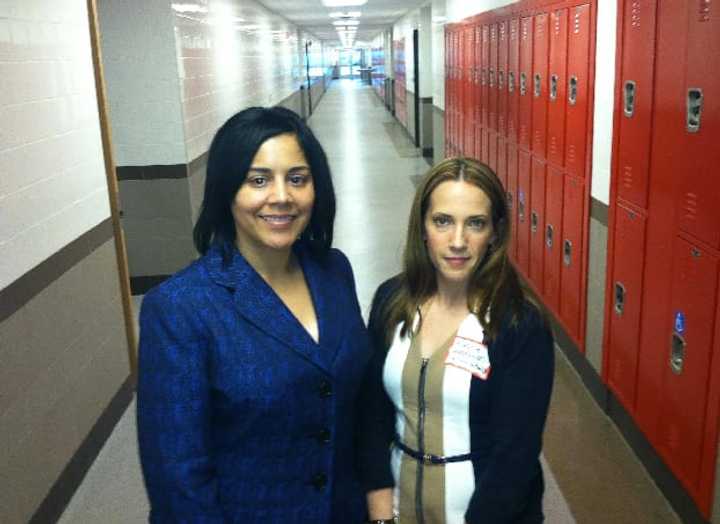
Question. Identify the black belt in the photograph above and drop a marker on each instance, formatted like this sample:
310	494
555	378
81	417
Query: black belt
429	459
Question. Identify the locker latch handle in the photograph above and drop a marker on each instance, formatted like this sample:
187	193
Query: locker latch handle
511	82
483	77
619	298
509	197
523	84
573	90
549	236
553	87
492	78
538	85
521	208
533	221
694	109
501	80
567	252
677	353
629	98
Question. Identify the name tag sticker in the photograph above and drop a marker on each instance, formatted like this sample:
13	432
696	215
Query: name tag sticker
470	355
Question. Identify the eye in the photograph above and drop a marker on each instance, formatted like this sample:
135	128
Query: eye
477	222
299	179
442	220
257	181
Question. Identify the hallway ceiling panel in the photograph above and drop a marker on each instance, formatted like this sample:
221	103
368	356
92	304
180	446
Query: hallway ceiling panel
314	17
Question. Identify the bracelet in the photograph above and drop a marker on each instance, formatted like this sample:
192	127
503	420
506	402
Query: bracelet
382	521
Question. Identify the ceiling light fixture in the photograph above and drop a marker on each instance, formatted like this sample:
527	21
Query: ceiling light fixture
346	22
343	3
349	14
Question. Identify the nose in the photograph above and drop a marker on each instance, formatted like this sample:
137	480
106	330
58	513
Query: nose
279	194
457	241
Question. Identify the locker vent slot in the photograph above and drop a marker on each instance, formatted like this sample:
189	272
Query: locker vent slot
677	353
629	98
549	236
511	82
619	298
523	84
553	87
538	85
533	222
567	252
572	97
694	109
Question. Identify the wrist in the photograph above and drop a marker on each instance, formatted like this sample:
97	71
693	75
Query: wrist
382	521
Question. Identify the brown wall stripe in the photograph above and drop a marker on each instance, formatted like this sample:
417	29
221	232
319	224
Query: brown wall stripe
160	172
141	285
599	211
20	292
62	491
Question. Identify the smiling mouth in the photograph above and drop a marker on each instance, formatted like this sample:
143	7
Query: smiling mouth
456	261
278	220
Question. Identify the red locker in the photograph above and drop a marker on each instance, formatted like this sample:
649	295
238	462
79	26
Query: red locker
512	192
572	256
512	79
635	115
469	91
525	82
448	92
502	67
699	188
492	78
689	334
501	160
537	223
578	82
477	88
523	212
556	94
485	74
540	85
485	141
626	297
553	236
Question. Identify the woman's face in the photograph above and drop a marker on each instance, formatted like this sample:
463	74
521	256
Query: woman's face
458	229
274	203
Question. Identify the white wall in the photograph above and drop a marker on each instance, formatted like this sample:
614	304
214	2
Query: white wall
438	18
604	80
403	29
52	176
419	19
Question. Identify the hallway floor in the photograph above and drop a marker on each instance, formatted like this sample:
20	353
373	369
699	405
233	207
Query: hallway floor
592	476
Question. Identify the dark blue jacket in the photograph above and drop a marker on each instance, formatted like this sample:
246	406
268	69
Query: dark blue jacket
242	417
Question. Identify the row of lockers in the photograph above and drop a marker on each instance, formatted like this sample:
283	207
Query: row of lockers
519	98
662	355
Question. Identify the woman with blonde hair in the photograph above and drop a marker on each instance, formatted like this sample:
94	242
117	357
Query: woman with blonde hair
456	396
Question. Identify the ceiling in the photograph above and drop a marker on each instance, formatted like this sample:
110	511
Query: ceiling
313	16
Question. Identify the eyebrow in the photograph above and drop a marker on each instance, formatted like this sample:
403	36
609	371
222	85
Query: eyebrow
267	170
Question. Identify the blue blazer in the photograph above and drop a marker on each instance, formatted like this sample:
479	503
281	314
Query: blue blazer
242	417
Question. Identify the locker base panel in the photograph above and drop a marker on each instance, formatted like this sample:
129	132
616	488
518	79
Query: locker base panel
62	491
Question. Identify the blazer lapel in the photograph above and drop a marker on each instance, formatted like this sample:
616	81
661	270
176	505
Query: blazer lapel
257	303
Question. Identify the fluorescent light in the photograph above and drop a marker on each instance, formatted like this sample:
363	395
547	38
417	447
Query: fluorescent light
346	22
349	14
343	3
189	8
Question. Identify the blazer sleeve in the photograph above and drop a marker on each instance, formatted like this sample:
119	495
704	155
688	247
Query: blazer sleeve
173	414
518	411
376	413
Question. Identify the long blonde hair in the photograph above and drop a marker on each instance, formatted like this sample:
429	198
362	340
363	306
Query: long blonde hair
494	282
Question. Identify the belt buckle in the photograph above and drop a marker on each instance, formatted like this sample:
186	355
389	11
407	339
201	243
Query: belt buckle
427	459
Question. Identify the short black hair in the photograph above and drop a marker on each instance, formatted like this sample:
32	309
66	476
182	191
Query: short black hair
231	152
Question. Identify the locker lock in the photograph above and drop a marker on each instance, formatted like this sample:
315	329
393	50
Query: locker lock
538	85
533	222
694	109
549	236
511	82
553	87
523	84
491	80
619	298
521	208
509	197
572	97
629	94
567	252
677	352
483	77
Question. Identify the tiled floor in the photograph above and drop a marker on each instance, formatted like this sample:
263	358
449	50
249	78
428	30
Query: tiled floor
592	475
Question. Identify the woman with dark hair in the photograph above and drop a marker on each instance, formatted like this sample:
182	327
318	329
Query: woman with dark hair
457	390
251	357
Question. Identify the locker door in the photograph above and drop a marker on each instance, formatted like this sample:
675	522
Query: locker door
492	78
689	332
525	83
512	79
463	90
485	141
523	212
556	95
540	85
501	160
635	115
512	192
699	191
469	91
477	89
448	93
502	78
572	255
485	74
492	138
553	236
537	223
577	90
624	335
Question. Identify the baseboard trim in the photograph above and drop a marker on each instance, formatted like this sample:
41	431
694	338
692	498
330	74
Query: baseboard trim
62	491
